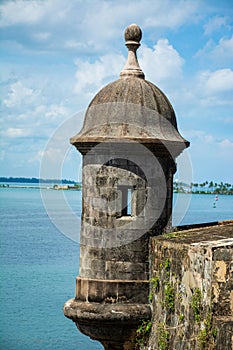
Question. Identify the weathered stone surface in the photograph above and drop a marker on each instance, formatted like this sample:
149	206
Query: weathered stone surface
129	141
162	138
191	289
224	338
113	324
112	291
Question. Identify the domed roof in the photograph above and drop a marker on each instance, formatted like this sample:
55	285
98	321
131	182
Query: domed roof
137	91
130	108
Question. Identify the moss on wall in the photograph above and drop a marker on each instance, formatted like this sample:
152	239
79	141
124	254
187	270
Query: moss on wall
190	291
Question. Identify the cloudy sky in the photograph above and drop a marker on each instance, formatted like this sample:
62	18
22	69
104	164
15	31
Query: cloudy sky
56	55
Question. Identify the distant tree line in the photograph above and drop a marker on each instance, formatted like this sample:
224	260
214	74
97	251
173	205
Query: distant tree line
35	180
206	187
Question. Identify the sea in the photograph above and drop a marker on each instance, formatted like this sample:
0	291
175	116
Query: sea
40	260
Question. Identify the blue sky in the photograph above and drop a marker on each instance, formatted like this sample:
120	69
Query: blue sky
56	55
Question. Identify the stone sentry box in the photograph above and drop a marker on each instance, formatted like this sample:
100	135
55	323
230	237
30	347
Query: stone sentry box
129	142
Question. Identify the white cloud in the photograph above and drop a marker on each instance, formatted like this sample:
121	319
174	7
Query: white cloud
19	94
200	136
213	88
36	158
42	36
51	155
224	49
215	24
73	44
216	82
162	62
75	23
170	14
21	11
32	12
227	147
204	139
211	156
16	132
55	111
91	76
220	52
40	80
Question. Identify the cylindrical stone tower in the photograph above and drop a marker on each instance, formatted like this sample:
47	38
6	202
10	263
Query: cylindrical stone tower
129	142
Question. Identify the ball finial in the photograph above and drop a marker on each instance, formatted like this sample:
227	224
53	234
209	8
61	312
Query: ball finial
133	33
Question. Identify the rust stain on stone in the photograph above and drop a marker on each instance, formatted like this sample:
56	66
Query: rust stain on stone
220	271
215	292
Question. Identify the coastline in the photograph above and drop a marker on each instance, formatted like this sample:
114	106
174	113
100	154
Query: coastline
55	187
79	188
206	187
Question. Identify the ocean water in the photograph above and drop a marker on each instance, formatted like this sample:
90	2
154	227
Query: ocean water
38	270
201	208
39	263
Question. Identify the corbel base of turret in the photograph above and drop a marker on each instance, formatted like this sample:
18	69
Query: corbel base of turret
114	325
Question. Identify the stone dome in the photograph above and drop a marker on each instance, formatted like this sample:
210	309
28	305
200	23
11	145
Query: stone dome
130	108
137	91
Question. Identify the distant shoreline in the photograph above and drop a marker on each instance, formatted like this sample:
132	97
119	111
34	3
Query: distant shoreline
31	183
35	180
55	187
64	184
204	192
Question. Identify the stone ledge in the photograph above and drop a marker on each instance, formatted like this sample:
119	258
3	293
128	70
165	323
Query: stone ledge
201	233
114	325
83	311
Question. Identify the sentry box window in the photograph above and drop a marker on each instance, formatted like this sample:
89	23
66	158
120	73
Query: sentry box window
126	195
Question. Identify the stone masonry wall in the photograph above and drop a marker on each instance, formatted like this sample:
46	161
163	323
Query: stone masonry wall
192	290
114	244
111	244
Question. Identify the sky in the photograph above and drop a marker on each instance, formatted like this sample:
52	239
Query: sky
56	55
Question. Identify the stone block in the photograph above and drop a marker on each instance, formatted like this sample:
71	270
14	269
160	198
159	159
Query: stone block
95	291
134	292
81	289
224	337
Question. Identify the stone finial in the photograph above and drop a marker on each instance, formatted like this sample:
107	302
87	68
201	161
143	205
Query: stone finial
133	35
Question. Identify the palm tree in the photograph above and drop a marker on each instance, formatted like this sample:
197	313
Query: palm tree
191	186
195	185
211	185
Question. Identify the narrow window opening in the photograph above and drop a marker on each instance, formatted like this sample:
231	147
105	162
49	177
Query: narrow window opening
129	195
126	201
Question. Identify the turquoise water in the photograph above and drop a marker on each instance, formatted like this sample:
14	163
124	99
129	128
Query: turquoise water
38	270
200	208
39	265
